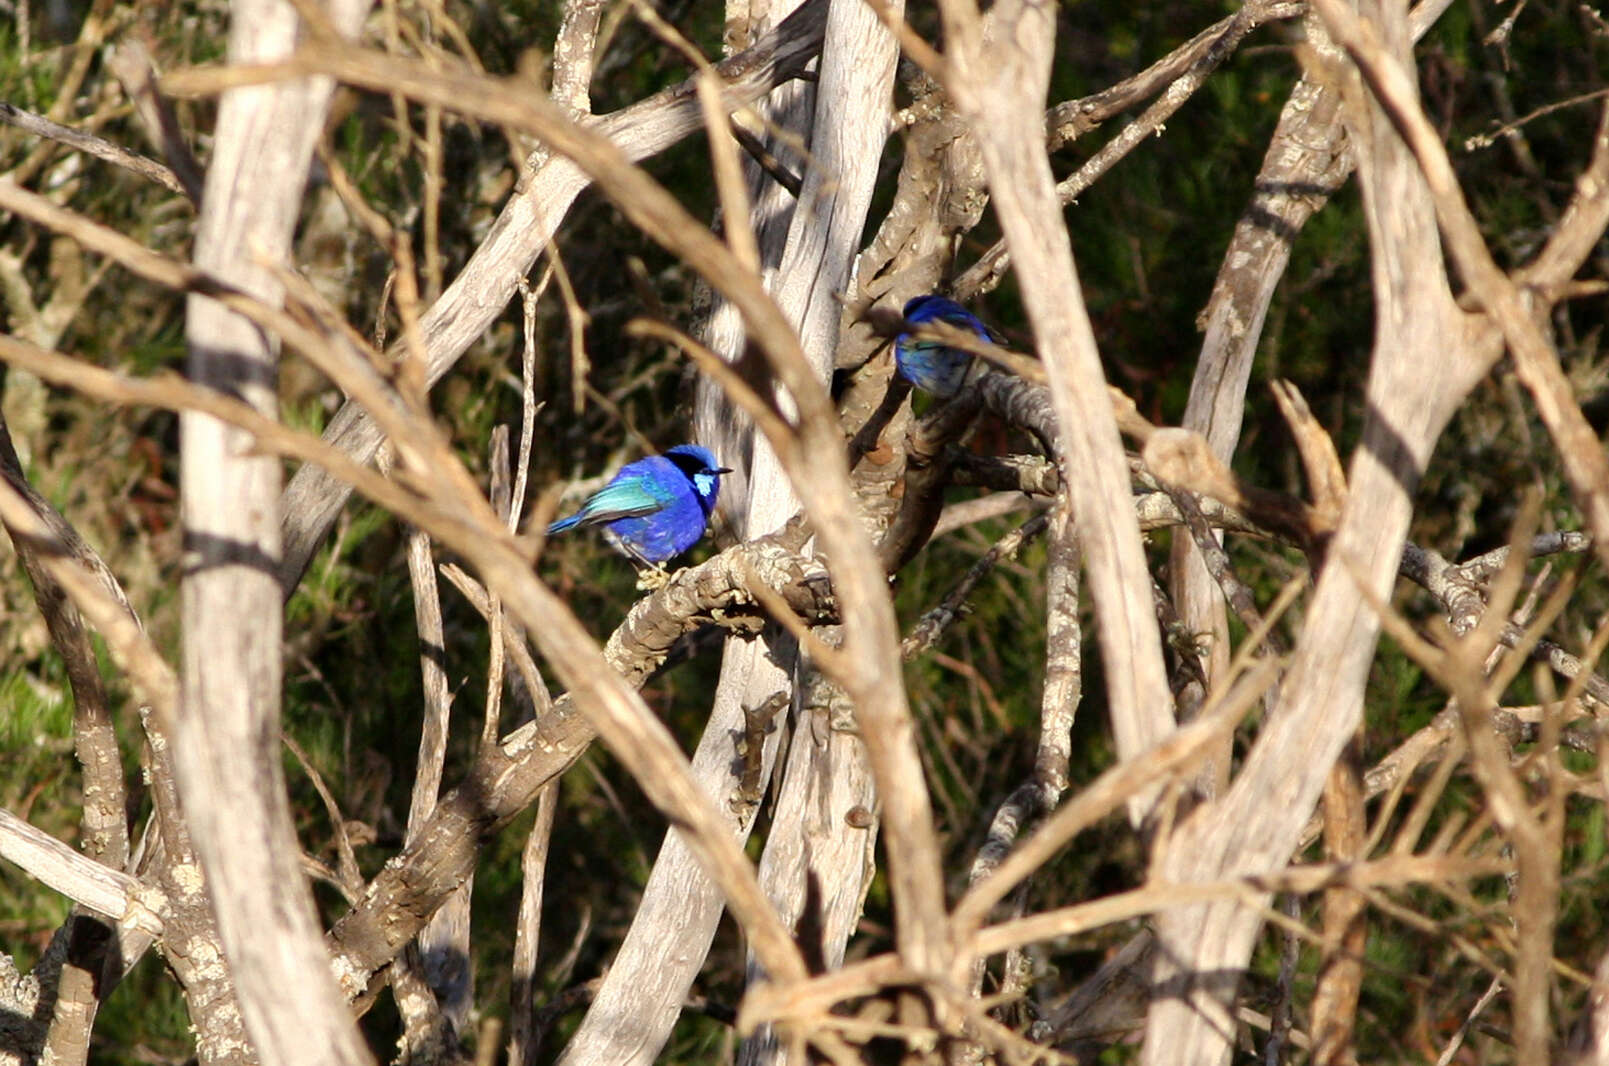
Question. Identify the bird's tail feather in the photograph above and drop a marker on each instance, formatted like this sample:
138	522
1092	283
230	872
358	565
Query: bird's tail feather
563	524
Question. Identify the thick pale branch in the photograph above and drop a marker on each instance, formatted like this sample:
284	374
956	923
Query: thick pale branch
229	773
78	877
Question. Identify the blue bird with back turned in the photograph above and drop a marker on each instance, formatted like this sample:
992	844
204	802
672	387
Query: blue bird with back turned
932	365
655	508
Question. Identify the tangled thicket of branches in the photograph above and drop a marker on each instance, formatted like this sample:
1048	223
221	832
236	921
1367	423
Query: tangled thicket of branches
1337	793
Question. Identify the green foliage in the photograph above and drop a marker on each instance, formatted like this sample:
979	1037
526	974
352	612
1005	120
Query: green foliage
39	709
145	1016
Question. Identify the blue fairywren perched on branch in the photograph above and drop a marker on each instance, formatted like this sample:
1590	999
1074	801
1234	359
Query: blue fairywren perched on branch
931	365
655	508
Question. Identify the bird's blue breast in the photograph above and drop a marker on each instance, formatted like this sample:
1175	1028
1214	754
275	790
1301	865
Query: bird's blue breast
931	365
661	536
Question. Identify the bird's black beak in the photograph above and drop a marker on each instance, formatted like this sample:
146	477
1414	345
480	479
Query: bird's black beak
720	470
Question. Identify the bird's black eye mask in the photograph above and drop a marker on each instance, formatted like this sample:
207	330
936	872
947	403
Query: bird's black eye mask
687	464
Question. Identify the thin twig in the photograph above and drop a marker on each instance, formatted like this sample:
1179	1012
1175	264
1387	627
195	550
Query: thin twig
90	144
130	63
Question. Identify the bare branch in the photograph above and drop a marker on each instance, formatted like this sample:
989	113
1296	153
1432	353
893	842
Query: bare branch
105	816
131	64
525	1037
424	1022
78	877
1038	796
1253	827
1176	76
90	144
1340	979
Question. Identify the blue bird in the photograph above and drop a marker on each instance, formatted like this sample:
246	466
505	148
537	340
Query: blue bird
931	365
655	508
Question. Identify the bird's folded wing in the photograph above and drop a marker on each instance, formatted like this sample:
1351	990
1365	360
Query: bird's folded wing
623	499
